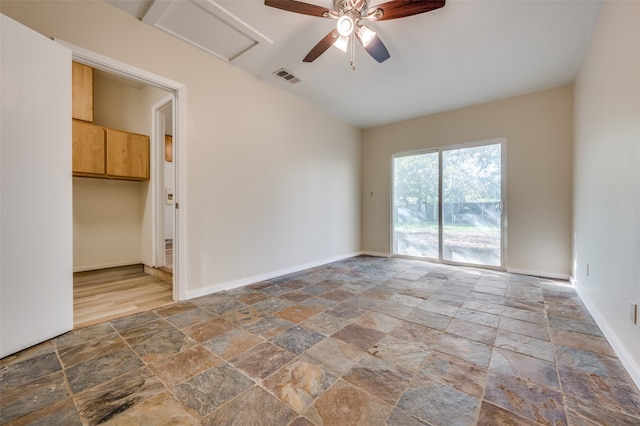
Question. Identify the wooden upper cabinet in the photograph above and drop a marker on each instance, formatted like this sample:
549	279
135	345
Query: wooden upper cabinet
82	92
108	153
99	151
168	148
127	155
88	156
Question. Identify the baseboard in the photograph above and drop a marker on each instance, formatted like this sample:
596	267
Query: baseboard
623	355
376	254
552	275
230	285
106	265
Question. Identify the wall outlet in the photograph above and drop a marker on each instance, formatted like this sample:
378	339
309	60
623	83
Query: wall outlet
587	269
633	312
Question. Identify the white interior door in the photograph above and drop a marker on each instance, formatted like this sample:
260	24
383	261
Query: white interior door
36	262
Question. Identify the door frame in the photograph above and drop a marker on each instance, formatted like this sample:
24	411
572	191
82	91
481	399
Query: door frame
177	91
502	141
157	138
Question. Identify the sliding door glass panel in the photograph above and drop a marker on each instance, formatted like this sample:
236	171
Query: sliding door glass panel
415	205
471	205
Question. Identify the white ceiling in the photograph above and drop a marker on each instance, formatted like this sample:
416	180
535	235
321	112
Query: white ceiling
469	52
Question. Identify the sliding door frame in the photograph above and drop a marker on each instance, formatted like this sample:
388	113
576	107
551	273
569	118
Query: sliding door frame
503	202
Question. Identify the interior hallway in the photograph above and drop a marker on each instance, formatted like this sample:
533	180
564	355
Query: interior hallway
367	341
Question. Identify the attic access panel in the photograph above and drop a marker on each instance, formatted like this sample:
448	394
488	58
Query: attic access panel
205	25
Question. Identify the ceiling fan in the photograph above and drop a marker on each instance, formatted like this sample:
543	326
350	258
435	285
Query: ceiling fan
350	14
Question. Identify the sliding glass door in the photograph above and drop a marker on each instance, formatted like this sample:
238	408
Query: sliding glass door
416	205
471	205
447	205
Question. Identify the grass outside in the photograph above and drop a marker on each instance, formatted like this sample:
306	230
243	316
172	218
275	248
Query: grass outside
485	237
455	229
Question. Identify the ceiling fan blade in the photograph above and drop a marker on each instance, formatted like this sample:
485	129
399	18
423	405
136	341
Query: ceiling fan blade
298	7
395	9
321	47
376	49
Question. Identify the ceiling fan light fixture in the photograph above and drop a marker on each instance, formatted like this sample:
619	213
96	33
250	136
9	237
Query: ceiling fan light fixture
365	35
345	25
350	14
341	43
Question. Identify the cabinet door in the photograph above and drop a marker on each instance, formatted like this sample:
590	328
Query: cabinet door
127	155
168	148
88	149
82	92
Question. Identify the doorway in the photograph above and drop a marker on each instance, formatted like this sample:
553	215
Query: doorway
448	204
165	221
114	219
154	189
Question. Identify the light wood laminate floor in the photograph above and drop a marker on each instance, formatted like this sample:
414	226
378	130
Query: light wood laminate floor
112	293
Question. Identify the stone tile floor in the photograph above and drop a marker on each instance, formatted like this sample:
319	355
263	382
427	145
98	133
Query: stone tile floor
364	341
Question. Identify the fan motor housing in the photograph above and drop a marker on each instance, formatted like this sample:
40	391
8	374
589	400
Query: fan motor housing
358	6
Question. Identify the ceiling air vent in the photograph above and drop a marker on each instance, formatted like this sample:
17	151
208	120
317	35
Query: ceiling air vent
286	75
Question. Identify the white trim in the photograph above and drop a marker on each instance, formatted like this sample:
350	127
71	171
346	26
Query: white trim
230	285
178	90
180	194
552	275
623	355
113	66
158	153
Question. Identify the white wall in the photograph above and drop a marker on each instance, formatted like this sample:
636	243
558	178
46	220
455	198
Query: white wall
607	178
538	130
107	218
272	182
117	105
